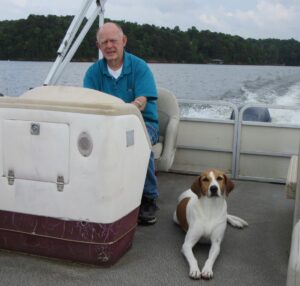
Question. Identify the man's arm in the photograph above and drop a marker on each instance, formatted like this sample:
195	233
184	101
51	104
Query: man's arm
144	83
88	82
92	78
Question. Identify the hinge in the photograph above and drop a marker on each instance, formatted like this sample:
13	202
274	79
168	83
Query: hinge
11	177
60	183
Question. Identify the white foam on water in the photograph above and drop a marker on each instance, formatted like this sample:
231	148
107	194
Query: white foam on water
291	98
205	111
269	96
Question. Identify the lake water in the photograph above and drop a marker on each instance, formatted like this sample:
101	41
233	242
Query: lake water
237	84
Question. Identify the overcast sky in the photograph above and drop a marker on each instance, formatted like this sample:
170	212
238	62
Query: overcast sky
258	19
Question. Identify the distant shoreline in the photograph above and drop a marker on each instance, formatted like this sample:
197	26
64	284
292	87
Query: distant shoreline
157	62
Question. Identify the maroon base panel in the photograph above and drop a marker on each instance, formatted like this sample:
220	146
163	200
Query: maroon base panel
80	241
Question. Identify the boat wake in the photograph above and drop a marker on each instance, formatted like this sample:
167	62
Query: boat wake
282	91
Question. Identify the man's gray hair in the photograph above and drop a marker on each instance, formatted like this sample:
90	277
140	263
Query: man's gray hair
100	29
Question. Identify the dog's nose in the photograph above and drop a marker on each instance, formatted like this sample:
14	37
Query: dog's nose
213	190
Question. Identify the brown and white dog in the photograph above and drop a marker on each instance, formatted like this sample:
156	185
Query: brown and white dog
202	213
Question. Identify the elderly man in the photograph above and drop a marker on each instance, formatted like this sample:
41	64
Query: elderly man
128	77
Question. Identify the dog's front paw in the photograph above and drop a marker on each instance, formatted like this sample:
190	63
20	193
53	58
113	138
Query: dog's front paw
207	273
195	273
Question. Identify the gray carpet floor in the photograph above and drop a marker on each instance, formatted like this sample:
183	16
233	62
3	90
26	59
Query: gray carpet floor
257	255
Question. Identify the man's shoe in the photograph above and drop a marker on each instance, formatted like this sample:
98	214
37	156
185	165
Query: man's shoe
147	211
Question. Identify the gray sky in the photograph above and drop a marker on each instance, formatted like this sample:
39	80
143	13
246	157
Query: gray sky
258	19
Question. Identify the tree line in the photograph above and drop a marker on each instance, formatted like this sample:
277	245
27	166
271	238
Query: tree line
37	38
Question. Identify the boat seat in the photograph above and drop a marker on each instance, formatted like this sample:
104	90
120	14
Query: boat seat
297	193
293	275
168	112
291	180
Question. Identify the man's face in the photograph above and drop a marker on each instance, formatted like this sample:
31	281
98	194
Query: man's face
111	42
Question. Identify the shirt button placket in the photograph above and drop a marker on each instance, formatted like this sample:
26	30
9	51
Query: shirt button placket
115	84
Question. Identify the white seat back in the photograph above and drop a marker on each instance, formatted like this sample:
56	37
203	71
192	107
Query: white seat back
168	112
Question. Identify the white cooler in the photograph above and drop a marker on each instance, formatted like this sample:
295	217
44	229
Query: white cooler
73	164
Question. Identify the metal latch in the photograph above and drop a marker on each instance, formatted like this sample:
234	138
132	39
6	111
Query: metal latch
11	177
60	183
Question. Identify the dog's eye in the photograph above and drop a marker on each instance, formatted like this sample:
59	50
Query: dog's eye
205	179
219	178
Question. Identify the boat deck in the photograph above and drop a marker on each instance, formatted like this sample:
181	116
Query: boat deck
257	255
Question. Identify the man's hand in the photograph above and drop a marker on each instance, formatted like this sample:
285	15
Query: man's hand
140	102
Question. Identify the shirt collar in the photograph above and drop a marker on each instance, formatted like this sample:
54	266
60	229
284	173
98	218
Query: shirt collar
126	64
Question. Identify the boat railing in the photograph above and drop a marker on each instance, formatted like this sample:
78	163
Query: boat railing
202	141
248	150
264	149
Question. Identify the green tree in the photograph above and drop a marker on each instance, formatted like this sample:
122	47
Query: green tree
38	38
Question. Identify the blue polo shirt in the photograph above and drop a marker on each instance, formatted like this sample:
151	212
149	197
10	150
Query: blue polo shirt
136	79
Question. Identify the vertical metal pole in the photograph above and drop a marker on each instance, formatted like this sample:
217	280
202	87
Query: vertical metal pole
101	22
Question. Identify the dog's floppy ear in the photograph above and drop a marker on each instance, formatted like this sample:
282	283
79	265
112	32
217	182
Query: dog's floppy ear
196	186
229	185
